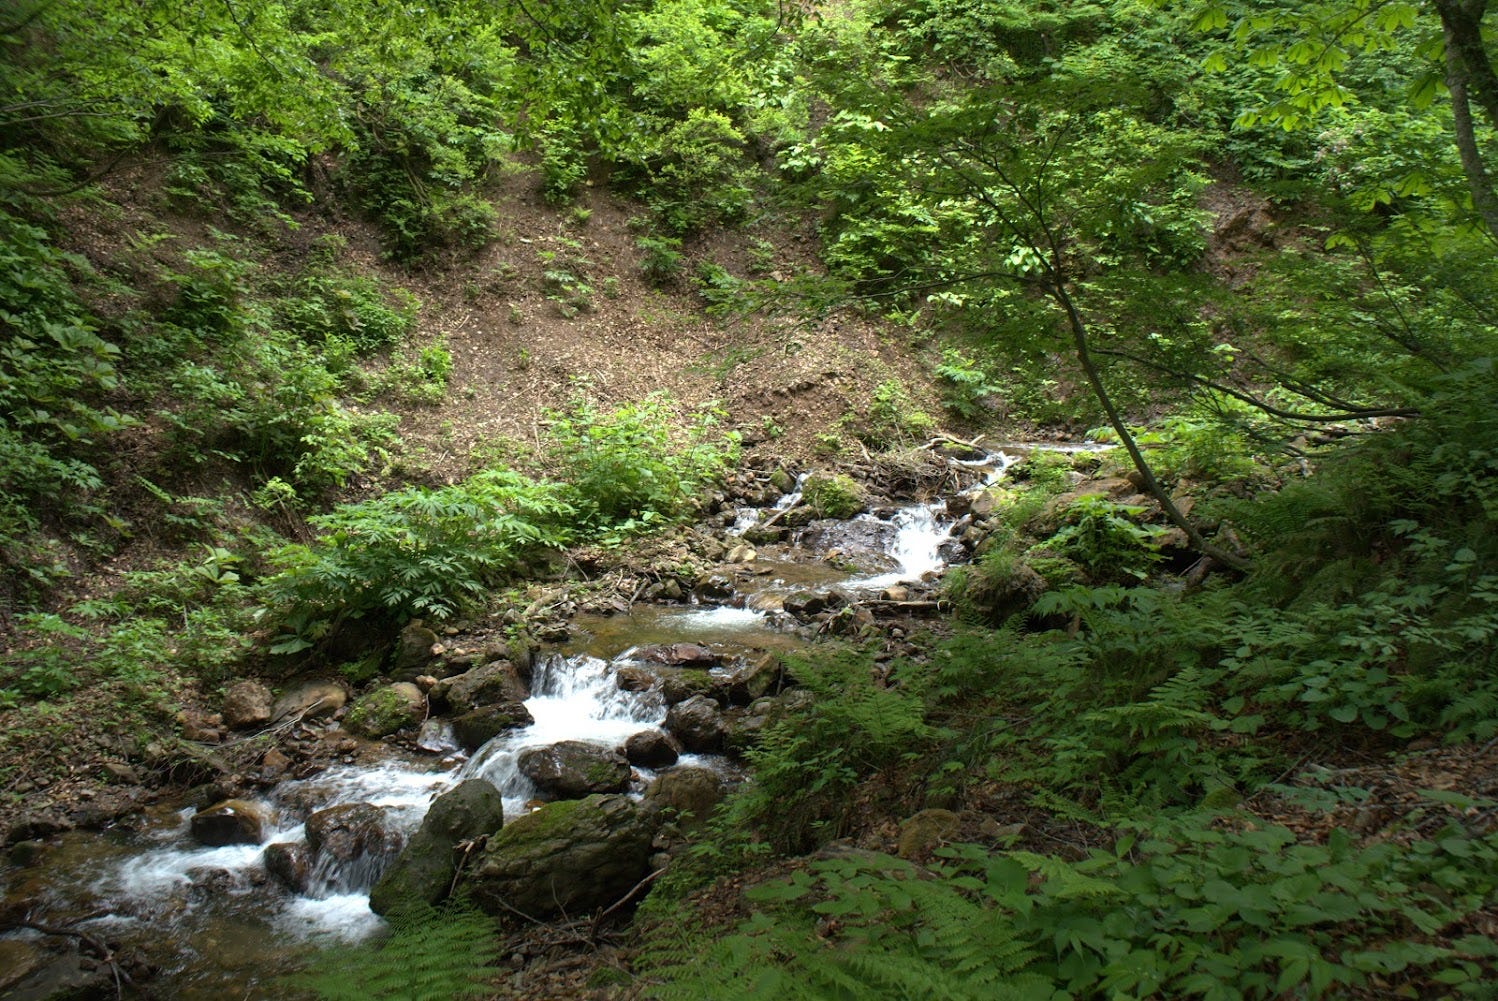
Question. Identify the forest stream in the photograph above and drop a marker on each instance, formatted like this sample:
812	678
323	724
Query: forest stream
216	922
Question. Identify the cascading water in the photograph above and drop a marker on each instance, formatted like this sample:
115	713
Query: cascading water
216	904
573	698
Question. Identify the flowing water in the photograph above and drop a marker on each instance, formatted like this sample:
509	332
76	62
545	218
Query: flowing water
235	929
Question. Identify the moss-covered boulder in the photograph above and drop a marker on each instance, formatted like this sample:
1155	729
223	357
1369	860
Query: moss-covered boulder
574	768
833	495
473	730
424	870
568	857
386	710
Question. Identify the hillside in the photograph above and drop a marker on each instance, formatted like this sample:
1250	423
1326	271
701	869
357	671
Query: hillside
1035	460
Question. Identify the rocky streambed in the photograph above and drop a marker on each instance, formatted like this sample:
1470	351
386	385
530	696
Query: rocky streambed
548	778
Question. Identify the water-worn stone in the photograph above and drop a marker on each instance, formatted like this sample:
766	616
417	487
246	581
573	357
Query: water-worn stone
568	857
677	655
485	685
247	704
290	863
230	822
351	831
759	677
310	699
688	793
436	737
923	833
805	604
652	749
423	871
574	768
18	960
635	678
413	650
697	723
386	710
680	684
474	729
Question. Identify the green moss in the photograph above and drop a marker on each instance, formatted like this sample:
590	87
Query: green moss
833	495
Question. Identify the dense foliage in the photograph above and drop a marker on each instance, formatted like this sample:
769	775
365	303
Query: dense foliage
1253	239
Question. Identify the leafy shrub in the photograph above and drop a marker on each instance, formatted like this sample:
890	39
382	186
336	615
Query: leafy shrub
55	370
696	170
1101	536
807	763
892	418
968	387
1185	910
630	469
352	307
414	552
661	259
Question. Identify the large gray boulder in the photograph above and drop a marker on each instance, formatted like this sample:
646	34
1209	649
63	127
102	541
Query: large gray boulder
574	768
386	710
652	749
697	723
310	700
486	685
686	795
247	704
568	857
476	728
230	822
352	831
424	870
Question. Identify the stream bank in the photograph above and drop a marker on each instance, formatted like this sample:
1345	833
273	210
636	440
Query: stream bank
690	660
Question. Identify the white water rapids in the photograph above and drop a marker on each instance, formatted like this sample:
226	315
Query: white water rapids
217	903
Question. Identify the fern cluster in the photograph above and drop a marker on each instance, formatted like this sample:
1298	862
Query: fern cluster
430	954
1183	909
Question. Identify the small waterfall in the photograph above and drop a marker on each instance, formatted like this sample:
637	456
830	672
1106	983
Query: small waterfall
572	698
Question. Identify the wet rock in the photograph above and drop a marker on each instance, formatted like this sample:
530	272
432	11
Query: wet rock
742	554
765	535
413	651
18	960
833	495
351	831
782	481
474	729
386	710
863	543
680	685
923	833
231	822
498	681
568	857
714	587
273	765
633	678
290	864
759	677
310	700
677	655
117	771
697	723
51	977
689	794
424	870
436	737
247	704
574	768
652	749
805	604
